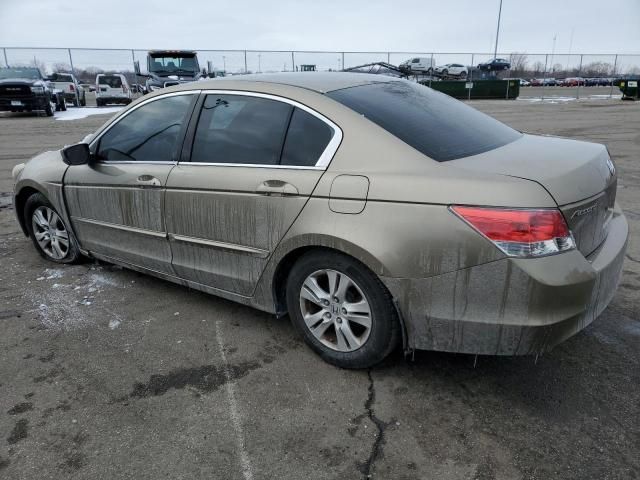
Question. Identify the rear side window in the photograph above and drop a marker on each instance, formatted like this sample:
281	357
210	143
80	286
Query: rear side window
431	122
240	129
59	77
150	133
110	80
307	138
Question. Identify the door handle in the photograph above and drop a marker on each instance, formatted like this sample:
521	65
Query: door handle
276	188
148	181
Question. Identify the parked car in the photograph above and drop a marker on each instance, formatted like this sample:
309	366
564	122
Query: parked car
495	64
25	89
523	82
452	70
170	67
372	210
573	82
72	90
546	82
418	65
112	88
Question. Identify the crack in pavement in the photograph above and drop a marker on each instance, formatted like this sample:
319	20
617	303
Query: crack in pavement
367	467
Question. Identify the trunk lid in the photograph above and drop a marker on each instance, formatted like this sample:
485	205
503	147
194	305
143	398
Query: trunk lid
578	175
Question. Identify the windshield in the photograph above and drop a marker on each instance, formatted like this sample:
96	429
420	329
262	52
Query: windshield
433	123
173	63
30	73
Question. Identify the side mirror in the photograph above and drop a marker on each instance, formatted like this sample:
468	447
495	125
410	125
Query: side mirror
77	154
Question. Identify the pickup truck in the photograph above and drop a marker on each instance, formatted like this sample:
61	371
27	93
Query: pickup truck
69	85
170	67
25	89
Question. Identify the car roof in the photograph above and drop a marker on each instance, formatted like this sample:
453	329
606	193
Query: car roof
321	82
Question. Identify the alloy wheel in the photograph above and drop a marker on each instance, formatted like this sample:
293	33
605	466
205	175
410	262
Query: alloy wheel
335	310
50	233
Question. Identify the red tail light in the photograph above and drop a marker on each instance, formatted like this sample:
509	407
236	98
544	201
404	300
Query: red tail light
520	232
71	87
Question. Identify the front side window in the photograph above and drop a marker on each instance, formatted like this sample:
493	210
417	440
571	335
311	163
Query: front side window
240	129
433	123
148	134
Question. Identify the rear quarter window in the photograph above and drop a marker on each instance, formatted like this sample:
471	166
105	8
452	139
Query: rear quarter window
433	123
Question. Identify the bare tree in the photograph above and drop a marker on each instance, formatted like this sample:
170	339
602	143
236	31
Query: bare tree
59	67
518	63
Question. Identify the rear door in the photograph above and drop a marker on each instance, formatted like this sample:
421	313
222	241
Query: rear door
251	163
116	202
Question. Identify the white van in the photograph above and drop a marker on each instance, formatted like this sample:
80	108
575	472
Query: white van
418	65
112	88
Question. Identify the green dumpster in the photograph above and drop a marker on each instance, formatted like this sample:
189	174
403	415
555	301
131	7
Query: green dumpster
629	89
477	89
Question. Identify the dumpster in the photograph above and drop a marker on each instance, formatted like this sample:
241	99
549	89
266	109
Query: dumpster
629	89
477	89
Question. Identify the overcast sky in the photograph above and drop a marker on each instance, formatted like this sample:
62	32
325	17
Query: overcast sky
597	26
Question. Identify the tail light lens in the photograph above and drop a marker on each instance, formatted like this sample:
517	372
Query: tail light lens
520	232
71	88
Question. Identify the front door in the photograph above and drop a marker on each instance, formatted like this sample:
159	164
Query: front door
254	162
116	203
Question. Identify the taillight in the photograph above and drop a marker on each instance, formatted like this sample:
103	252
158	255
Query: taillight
71	87
124	89
520	232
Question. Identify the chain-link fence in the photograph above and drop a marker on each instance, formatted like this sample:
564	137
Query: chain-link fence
551	76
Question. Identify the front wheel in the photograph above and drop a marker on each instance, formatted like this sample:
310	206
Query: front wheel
342	309
51	237
83	101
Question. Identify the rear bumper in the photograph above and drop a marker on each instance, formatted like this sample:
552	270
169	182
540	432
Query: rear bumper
512	307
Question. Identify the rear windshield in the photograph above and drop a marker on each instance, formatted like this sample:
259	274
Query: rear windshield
111	80
60	77
431	122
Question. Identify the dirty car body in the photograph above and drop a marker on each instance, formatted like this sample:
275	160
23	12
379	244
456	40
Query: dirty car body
486	240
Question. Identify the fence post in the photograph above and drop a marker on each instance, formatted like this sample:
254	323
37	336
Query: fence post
293	63
73	73
468	89
579	76
544	74
133	62
431	76
388	57
342	60
615	64
5	57
245	62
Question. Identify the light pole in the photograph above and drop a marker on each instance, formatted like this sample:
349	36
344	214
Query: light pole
495	50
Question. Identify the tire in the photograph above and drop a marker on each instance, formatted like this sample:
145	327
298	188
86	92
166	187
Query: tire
99	102
445	72
369	338
76	103
83	100
63	105
41	220
48	109
463	75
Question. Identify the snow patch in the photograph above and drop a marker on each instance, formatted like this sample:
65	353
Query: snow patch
84	112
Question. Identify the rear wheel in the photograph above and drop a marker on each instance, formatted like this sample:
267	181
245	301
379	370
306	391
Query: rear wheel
51	237
83	100
48	109
76	103
342	309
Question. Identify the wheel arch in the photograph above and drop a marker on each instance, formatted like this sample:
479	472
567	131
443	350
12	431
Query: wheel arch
293	249
20	202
